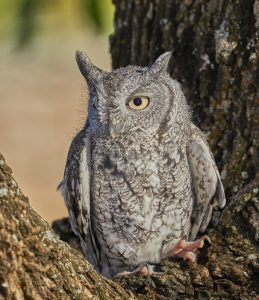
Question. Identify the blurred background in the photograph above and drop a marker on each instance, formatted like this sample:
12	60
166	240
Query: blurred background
43	96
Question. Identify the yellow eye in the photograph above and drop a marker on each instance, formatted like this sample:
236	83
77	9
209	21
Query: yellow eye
138	103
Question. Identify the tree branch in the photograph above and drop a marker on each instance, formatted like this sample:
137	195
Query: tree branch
34	262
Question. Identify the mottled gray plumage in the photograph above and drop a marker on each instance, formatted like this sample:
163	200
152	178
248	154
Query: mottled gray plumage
136	182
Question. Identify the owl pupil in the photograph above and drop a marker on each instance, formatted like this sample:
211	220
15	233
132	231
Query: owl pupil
137	101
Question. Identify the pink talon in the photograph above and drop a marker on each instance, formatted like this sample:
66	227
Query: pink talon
186	249
143	269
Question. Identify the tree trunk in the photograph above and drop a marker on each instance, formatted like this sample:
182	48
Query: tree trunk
216	59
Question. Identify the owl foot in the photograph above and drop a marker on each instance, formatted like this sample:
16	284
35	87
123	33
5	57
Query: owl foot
186	249
144	269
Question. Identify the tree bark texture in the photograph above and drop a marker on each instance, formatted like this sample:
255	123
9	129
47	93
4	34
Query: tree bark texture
34	262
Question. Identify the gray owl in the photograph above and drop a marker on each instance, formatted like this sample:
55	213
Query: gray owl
140	181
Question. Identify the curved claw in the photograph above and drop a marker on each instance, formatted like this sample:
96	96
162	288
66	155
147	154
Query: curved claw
186	249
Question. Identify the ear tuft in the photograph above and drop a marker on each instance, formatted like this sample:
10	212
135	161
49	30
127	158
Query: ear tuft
90	72
83	62
162	62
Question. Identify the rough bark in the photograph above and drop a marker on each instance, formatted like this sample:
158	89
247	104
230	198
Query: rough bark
34	262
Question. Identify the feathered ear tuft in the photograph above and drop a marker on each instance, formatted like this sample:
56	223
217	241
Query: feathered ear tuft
162	63
90	72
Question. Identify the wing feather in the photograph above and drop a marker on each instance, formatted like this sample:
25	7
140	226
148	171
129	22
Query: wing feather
75	186
207	186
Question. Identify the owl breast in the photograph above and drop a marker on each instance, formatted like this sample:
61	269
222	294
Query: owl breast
141	198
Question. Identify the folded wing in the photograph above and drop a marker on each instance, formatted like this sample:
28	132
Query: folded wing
75	188
207	187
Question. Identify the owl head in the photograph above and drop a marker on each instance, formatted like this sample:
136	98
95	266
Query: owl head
132	100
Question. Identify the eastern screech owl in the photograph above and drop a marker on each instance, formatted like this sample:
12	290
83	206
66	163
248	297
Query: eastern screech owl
140	181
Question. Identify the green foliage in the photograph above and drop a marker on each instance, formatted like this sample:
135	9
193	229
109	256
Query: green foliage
20	18
100	13
26	21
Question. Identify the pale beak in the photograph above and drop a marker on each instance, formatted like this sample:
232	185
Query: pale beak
112	131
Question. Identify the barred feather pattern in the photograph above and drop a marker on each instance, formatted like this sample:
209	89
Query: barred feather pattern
136	182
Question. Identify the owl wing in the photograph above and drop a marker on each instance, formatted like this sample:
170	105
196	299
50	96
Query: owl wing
75	186
207	187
